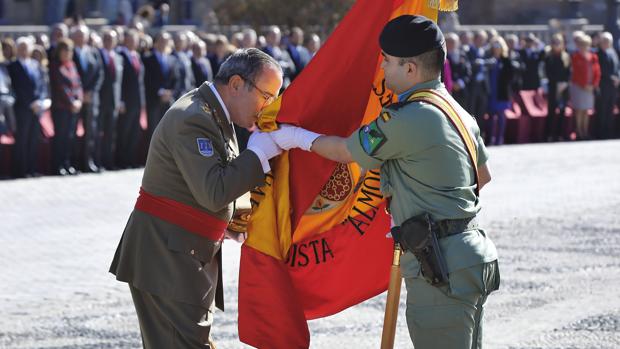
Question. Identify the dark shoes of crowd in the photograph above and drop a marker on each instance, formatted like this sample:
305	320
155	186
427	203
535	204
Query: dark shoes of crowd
90	167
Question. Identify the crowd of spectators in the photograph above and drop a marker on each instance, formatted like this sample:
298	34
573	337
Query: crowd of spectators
104	82
98	84
485	72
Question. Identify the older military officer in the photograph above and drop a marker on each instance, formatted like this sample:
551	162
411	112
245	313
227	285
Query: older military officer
433	163
170	250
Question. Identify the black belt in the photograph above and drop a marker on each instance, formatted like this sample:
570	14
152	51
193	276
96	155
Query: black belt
448	227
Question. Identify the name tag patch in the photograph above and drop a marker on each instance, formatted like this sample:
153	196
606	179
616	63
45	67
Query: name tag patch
205	147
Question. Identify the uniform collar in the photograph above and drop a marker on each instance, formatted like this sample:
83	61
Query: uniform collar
431	84
217	107
219	99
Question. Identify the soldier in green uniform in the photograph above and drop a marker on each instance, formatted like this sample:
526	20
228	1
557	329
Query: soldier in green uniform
170	250
433	163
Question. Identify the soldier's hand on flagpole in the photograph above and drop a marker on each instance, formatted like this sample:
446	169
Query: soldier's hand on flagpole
288	137
264	147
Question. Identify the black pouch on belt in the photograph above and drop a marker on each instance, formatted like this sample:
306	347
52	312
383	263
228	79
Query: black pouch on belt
415	235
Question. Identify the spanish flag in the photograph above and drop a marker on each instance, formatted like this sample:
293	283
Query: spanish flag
317	239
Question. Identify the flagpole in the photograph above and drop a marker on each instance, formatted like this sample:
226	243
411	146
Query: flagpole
391	305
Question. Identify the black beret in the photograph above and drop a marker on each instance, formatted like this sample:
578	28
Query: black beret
410	35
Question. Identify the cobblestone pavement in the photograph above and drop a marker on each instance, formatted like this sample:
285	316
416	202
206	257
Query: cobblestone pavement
552	209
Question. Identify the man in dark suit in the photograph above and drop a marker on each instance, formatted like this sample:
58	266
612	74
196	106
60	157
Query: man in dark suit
220	53
132	101
30	101
479	86
273	38
557	70
184	65
201	66
59	31
298	53
460	68
531	57
608	87
160	80
90	68
512	41
110	97
170	253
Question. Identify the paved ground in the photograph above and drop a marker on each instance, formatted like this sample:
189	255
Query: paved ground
552	209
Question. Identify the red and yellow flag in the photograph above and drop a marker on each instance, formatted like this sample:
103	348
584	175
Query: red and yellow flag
317	235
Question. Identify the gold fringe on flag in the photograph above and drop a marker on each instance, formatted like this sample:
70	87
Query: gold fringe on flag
444	5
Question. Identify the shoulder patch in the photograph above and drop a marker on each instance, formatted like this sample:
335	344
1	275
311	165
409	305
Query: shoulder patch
371	138
205	147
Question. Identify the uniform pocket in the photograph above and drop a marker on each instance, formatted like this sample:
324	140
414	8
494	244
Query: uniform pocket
492	276
197	247
467	282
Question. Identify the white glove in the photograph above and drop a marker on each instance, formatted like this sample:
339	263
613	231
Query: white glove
289	136
264	147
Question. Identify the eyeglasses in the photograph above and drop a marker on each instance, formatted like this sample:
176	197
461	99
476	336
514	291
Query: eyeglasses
269	98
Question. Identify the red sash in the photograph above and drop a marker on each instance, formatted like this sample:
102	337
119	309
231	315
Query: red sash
182	215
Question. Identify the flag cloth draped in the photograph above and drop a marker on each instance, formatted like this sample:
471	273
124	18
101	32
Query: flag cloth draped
317	234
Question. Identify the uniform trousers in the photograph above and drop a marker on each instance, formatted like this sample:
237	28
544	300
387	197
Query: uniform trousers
166	323
65	123
128	137
155	113
90	121
603	121
553	127
108	119
478	102
450	317
26	145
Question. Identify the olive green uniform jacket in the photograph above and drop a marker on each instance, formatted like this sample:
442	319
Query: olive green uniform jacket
193	158
425	168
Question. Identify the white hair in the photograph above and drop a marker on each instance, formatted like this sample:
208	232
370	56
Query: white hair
25	40
82	29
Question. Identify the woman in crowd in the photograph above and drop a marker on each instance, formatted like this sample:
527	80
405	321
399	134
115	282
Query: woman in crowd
8	49
221	51
67	97
557	70
201	67
145	45
501	73
40	55
586	77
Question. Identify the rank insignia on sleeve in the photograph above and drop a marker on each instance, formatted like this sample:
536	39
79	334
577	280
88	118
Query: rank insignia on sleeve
385	116
205	147
371	138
